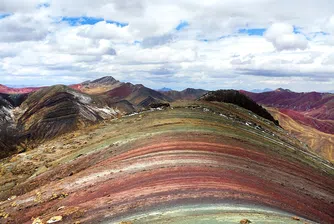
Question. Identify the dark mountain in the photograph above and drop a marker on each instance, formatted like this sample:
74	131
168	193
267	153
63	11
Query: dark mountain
164	89
287	99
97	86
187	94
107	80
261	90
138	95
237	98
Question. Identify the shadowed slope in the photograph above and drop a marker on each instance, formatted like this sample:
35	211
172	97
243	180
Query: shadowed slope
235	97
200	161
187	94
7	131
10	134
138	95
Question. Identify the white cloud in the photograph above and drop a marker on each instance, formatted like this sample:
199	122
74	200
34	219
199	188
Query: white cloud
282	36
329	60
35	44
25	27
104	30
330	24
13	6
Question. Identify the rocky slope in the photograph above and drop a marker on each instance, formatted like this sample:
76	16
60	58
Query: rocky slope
56	110
10	134
197	162
313	113
320	142
28	119
7	130
98	86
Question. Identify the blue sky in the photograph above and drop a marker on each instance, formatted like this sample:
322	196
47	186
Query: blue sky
77	21
182	25
201	44
4	15
252	32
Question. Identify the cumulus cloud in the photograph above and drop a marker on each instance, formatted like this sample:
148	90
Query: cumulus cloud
25	27
282	36
329	60
157	40
330	25
18	5
104	30
36	43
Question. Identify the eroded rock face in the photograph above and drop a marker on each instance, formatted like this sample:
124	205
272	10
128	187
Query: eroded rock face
56	110
8	131
47	113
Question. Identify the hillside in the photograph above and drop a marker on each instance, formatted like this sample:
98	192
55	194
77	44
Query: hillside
321	143
309	116
26	120
313	109
237	98
97	86
31	118
56	110
195	162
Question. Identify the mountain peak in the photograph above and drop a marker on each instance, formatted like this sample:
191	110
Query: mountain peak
165	89
105	80
282	90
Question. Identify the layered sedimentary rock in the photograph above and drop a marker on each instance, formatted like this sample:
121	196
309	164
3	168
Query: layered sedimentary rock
204	162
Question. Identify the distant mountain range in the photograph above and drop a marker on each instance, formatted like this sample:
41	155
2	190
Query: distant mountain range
187	94
261	90
164	89
30	112
41	113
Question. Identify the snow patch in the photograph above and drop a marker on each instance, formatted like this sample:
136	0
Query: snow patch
81	97
130	115
106	112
